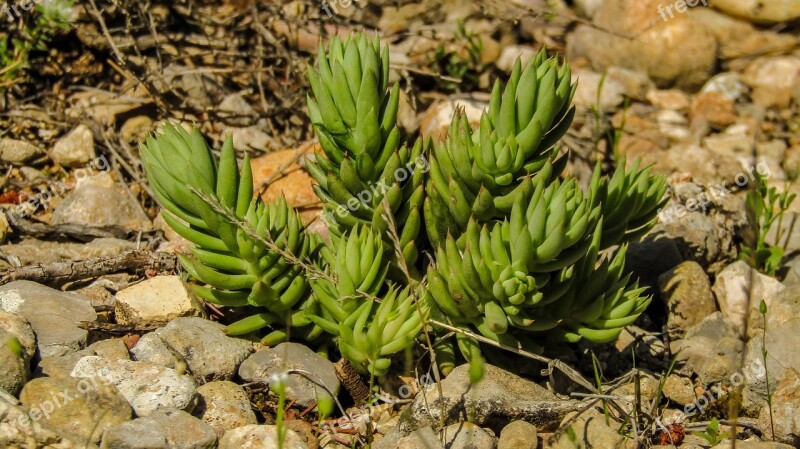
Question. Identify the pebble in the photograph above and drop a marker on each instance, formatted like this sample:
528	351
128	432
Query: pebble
255	436
155	301
54	315
783	414
266	363
224	406
75	149
688	295
164	429
18	151
83	408
738	286
518	435
146	386
13	363
465	435
62	366
712	349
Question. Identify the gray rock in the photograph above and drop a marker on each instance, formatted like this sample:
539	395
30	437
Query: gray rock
518	435
32	251
74	149
465	435
240	110
53	315
739	290
224	406
18	151
150	348
591	431
155	300
260	437
20	328
781	307
89	205
711	349
423	438
499	396
18	430
209	353
83	408
783	414
167	429
781	343
266	363
147	387
13	363
687	293
62	366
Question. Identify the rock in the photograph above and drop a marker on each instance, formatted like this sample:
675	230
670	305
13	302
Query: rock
700	164
62	366
711	349
75	149
772	79
146	386
739	285
677	51
423	438
435	121
150	348
89	204
783	414
752	445
164	429
465	435
53	315
283	176
688	295
269	362
82	408
673	125
590	430
518	435
209	353
510	54
714	108
21	329
781	343
18	151
738	38
260	437
586	96
18	430
13	363
769	11
155	300
634	84
672	99
679	390
224	406
499	396
250	137
32	251
728	84
587	8
136	128
236	109
781	307
105	107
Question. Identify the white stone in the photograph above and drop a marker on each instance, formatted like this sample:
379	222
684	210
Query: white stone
147	387
76	148
156	300
734	290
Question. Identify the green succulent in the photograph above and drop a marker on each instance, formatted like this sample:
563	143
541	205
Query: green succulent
482	174
354	114
517	252
237	269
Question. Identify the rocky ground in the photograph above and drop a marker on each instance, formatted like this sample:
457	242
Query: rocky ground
102	344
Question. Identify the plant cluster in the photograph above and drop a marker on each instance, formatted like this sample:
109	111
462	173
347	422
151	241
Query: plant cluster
765	207
487	235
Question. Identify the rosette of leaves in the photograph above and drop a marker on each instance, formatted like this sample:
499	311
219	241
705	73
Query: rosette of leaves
368	330
481	175
363	162
211	204
632	198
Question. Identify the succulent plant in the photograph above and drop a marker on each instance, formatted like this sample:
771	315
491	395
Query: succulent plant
364	162
517	252
237	268
482	174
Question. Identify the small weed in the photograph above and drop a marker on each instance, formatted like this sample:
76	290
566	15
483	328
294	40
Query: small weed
711	434
765	206
465	67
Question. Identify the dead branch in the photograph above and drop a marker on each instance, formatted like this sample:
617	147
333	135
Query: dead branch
59	273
